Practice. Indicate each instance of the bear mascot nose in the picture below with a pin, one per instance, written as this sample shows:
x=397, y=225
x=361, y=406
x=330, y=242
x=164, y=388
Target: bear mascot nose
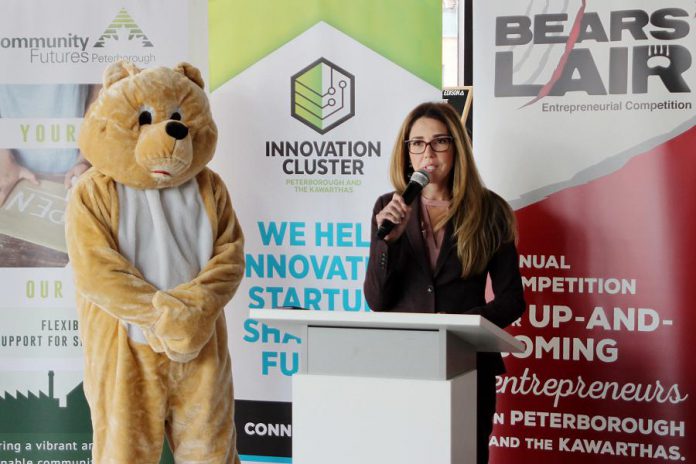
x=176, y=130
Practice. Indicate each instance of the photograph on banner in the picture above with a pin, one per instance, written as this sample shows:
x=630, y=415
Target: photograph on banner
x=40, y=161
x=589, y=107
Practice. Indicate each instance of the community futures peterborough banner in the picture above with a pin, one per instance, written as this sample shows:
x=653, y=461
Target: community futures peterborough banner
x=53, y=54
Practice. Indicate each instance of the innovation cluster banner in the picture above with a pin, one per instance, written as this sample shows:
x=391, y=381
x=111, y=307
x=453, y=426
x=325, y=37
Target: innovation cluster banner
x=309, y=97
x=584, y=122
x=53, y=54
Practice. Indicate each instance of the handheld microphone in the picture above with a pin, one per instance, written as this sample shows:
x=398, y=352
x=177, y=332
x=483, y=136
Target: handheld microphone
x=419, y=179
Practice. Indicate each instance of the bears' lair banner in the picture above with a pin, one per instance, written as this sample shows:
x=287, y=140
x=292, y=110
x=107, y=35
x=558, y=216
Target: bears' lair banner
x=584, y=121
x=308, y=98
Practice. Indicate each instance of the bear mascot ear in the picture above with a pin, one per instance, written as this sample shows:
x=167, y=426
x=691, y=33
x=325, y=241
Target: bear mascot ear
x=117, y=71
x=191, y=72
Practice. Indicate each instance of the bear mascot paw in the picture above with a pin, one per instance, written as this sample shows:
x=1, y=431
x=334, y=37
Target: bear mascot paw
x=157, y=253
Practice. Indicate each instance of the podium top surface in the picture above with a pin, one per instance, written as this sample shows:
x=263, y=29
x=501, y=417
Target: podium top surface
x=476, y=330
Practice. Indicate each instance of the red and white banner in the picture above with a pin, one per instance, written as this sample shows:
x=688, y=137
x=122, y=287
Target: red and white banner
x=584, y=122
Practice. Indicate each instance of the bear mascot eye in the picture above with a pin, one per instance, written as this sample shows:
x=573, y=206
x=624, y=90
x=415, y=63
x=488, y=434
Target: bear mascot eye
x=145, y=118
x=176, y=116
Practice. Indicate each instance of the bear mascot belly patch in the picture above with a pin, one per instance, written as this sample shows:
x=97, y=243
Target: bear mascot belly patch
x=157, y=253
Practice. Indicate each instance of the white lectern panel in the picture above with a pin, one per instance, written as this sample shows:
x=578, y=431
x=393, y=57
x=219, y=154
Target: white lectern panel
x=383, y=421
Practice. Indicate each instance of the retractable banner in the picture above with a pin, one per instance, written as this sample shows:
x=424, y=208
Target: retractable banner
x=309, y=97
x=53, y=54
x=585, y=124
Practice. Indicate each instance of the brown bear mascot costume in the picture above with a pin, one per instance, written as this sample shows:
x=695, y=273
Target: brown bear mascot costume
x=157, y=252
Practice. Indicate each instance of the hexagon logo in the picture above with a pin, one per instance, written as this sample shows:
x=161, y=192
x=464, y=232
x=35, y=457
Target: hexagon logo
x=323, y=95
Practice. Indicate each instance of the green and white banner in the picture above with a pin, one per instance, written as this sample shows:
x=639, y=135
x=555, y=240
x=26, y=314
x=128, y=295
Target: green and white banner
x=53, y=54
x=309, y=99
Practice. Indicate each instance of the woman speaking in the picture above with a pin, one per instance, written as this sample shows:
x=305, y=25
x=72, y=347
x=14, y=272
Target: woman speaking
x=444, y=244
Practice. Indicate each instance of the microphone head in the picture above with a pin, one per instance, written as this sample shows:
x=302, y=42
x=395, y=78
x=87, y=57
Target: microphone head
x=420, y=177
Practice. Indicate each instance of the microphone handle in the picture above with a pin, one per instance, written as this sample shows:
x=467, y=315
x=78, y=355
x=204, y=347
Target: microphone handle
x=384, y=229
x=410, y=194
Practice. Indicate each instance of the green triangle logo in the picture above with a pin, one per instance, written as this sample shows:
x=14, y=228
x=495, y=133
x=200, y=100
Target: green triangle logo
x=123, y=24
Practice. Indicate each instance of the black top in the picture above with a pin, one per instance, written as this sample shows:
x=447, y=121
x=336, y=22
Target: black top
x=399, y=279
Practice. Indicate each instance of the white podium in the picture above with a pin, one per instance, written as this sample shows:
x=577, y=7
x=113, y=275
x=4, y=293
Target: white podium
x=386, y=388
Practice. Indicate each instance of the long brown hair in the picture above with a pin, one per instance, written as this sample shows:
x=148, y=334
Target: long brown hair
x=482, y=220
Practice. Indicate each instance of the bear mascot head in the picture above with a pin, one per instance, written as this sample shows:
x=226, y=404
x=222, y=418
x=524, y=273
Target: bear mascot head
x=149, y=128
x=157, y=253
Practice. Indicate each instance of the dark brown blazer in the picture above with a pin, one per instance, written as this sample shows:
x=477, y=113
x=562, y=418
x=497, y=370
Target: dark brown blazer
x=399, y=279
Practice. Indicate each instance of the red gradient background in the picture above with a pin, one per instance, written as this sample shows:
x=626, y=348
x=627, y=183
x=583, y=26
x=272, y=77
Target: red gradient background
x=638, y=222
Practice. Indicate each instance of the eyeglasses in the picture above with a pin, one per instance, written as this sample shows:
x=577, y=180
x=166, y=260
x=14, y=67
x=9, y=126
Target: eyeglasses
x=438, y=144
